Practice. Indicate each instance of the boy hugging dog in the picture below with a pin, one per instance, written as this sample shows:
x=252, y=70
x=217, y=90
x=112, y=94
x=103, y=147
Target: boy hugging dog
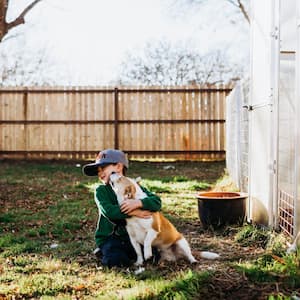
x=129, y=217
x=155, y=231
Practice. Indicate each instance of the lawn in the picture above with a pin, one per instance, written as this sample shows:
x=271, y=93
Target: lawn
x=47, y=222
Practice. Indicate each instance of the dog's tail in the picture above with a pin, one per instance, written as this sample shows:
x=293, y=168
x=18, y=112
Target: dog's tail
x=209, y=255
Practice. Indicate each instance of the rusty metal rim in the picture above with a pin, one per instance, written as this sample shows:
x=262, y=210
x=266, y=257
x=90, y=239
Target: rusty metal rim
x=221, y=195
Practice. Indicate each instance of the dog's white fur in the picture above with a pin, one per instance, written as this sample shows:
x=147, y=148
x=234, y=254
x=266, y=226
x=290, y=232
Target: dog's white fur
x=293, y=247
x=155, y=231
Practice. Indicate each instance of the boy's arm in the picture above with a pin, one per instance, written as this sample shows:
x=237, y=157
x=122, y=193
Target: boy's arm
x=107, y=204
x=152, y=202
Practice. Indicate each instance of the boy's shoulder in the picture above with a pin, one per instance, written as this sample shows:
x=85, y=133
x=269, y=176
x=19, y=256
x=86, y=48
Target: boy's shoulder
x=103, y=188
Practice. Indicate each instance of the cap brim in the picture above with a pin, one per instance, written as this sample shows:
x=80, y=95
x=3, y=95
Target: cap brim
x=92, y=169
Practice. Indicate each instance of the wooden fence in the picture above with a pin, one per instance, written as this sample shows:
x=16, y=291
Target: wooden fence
x=75, y=123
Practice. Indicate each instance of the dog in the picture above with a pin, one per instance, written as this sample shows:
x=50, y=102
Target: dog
x=293, y=247
x=155, y=231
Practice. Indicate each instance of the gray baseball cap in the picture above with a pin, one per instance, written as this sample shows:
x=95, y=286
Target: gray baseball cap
x=105, y=157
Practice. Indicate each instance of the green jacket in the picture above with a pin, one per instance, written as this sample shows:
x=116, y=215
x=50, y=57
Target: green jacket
x=111, y=219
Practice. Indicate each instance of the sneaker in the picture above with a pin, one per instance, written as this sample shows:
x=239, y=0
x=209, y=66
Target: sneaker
x=97, y=252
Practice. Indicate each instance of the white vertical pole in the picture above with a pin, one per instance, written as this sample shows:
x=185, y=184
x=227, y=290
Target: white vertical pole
x=274, y=99
x=238, y=130
x=249, y=205
x=297, y=130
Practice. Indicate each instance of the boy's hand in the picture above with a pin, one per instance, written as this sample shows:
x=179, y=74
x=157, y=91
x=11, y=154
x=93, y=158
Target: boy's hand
x=145, y=214
x=129, y=205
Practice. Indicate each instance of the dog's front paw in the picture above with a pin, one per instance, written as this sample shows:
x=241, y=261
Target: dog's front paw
x=193, y=260
x=147, y=254
x=139, y=261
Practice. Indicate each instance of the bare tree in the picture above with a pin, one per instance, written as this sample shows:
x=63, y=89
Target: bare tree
x=161, y=63
x=5, y=26
x=34, y=68
x=242, y=5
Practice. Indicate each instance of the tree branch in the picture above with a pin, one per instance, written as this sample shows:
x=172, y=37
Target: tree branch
x=6, y=26
x=21, y=18
x=240, y=5
x=243, y=10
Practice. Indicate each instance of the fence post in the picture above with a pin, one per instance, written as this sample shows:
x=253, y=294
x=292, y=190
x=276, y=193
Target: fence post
x=25, y=113
x=116, y=121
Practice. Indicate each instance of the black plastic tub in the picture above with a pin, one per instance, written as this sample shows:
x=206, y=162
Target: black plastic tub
x=217, y=209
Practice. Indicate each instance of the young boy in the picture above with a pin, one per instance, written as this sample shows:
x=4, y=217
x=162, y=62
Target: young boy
x=111, y=236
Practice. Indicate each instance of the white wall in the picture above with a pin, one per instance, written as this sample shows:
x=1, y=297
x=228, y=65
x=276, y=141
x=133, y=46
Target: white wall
x=260, y=142
x=288, y=25
x=272, y=156
x=297, y=133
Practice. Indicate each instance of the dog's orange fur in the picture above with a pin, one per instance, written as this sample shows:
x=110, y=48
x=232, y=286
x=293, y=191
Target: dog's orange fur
x=129, y=191
x=168, y=234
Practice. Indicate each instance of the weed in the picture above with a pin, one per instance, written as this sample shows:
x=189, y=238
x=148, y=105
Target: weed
x=280, y=297
x=225, y=183
x=252, y=235
x=268, y=268
x=7, y=218
x=274, y=264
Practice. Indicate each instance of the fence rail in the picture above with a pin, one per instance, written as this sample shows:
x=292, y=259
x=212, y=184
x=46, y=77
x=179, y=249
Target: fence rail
x=178, y=123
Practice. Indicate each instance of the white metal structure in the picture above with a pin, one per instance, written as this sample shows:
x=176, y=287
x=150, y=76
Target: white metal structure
x=273, y=107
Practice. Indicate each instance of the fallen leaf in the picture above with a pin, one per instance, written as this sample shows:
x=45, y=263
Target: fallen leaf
x=279, y=259
x=79, y=287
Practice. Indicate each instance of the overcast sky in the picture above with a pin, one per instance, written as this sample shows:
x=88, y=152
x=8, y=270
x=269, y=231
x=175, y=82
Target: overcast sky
x=90, y=37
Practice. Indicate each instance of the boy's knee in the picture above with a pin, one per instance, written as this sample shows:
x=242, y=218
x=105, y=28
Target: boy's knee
x=115, y=260
x=117, y=253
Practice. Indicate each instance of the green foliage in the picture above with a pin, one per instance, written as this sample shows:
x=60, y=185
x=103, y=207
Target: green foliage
x=13, y=244
x=269, y=268
x=277, y=244
x=184, y=286
x=171, y=185
x=7, y=218
x=251, y=235
x=280, y=297
x=9, y=239
x=274, y=264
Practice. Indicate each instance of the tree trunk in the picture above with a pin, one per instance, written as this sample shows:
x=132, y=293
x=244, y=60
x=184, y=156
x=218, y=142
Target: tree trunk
x=3, y=24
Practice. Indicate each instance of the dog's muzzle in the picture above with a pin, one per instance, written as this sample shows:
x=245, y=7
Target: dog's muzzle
x=114, y=177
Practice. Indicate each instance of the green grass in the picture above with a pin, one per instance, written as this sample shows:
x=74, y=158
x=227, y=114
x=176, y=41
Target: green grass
x=267, y=269
x=251, y=235
x=47, y=222
x=48, y=218
x=274, y=266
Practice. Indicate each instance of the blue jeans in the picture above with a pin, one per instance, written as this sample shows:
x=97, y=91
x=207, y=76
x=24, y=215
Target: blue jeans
x=117, y=253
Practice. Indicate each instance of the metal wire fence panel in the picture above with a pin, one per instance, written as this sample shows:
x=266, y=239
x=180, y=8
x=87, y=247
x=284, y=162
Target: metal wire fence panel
x=286, y=212
x=286, y=143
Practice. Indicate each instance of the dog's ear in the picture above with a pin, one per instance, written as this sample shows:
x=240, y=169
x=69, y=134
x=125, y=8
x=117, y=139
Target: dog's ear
x=130, y=191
